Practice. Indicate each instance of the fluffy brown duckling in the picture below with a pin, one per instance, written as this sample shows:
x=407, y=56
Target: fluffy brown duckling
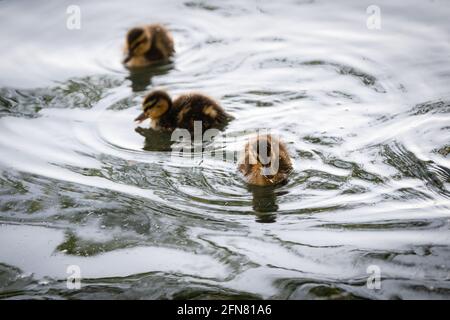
x=265, y=161
x=146, y=45
x=167, y=115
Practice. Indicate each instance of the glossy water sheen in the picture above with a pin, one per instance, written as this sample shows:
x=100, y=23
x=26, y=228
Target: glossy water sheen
x=365, y=114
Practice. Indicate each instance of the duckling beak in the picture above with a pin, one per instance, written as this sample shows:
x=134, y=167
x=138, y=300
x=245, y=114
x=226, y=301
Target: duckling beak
x=141, y=117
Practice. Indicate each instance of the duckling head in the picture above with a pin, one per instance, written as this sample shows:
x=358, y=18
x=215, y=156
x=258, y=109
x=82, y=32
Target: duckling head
x=265, y=161
x=155, y=104
x=266, y=151
x=262, y=155
x=137, y=43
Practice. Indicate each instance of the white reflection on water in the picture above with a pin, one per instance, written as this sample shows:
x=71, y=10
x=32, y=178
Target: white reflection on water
x=365, y=114
x=31, y=249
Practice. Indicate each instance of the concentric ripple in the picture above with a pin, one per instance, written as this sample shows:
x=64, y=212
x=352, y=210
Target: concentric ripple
x=364, y=113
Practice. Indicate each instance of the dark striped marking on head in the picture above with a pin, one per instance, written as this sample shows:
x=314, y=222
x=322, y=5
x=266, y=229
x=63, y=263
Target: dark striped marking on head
x=156, y=96
x=264, y=151
x=133, y=34
x=153, y=102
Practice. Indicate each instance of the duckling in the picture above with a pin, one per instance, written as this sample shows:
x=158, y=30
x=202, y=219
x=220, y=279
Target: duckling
x=265, y=161
x=167, y=115
x=146, y=45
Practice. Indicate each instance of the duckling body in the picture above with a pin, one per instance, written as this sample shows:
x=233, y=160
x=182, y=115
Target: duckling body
x=265, y=161
x=183, y=112
x=147, y=45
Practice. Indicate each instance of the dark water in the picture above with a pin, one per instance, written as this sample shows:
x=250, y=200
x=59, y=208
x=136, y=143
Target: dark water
x=365, y=115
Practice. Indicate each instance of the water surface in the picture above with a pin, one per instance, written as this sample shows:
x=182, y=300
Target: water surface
x=365, y=115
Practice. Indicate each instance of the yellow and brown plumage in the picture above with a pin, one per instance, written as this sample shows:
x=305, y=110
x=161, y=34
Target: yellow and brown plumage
x=265, y=161
x=146, y=45
x=168, y=115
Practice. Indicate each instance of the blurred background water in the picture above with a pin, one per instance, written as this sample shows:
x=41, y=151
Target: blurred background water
x=365, y=114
